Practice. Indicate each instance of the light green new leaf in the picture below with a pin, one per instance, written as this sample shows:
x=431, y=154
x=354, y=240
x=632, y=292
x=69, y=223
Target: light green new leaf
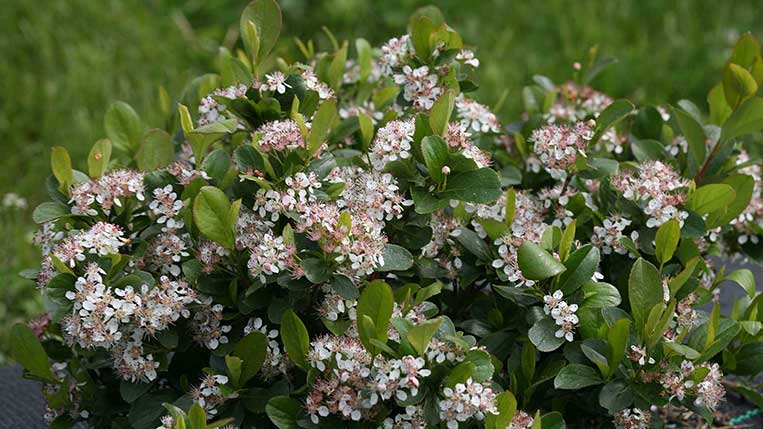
x=211, y=213
x=420, y=335
x=666, y=240
x=61, y=164
x=376, y=301
x=745, y=279
x=197, y=418
x=745, y=120
x=296, y=340
x=439, y=116
x=506, y=405
x=710, y=198
x=321, y=126
x=744, y=186
x=99, y=157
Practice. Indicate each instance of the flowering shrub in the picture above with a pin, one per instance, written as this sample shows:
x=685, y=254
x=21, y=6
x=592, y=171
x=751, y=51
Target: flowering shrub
x=357, y=243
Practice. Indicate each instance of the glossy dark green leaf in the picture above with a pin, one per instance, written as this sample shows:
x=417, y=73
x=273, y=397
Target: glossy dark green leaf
x=536, y=263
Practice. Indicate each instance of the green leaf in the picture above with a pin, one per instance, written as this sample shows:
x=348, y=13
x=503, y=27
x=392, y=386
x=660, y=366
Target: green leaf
x=644, y=150
x=420, y=335
x=710, y=198
x=745, y=279
x=482, y=186
x=666, y=240
x=343, y=286
x=536, y=263
x=295, y=339
x=552, y=420
x=617, y=343
x=201, y=138
x=376, y=301
x=435, y=152
x=396, y=258
x=266, y=16
x=543, y=335
x=600, y=294
x=719, y=109
x=749, y=359
x=495, y=229
x=156, y=151
x=252, y=349
x=511, y=206
x=506, y=404
x=439, y=116
x=211, y=213
x=365, y=57
x=745, y=120
x=644, y=290
x=50, y=211
x=123, y=127
x=321, y=126
x=421, y=30
x=483, y=365
x=683, y=350
x=615, y=396
x=216, y=165
x=27, y=351
x=743, y=186
x=473, y=243
x=98, y=158
x=610, y=116
x=197, y=418
x=738, y=84
x=694, y=134
x=284, y=412
x=576, y=376
x=579, y=268
x=130, y=392
x=61, y=164
x=565, y=243
x=366, y=129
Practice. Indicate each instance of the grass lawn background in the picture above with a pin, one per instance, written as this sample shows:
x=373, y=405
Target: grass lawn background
x=63, y=61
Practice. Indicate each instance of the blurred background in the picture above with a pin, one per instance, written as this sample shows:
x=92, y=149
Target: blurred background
x=62, y=62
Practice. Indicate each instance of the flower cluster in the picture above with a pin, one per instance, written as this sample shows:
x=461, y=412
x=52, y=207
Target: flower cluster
x=466, y=401
x=609, y=236
x=563, y=314
x=558, y=146
x=106, y=192
x=353, y=384
x=658, y=188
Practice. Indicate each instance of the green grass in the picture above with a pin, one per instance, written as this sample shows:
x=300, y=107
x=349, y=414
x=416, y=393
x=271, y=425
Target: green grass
x=64, y=61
